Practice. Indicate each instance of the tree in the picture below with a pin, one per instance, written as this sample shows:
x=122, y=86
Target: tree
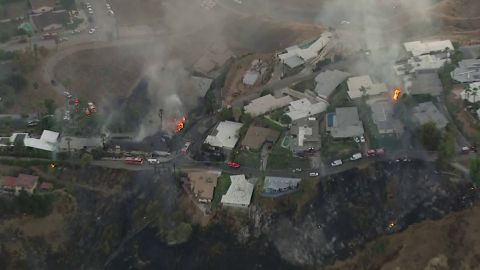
x=475, y=170
x=246, y=118
x=446, y=148
x=225, y=114
x=86, y=159
x=265, y=92
x=429, y=136
x=17, y=82
x=50, y=105
x=285, y=119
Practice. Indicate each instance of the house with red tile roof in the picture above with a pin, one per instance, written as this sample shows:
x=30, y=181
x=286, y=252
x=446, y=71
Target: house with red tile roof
x=24, y=182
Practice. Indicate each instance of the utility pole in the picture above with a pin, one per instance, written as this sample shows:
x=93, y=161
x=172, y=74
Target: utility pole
x=160, y=114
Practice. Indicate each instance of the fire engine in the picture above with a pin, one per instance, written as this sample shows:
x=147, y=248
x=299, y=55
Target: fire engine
x=134, y=160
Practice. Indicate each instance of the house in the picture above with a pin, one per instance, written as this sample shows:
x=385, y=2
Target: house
x=24, y=182
x=305, y=134
x=257, y=68
x=470, y=51
x=280, y=185
x=201, y=84
x=472, y=95
x=427, y=62
x=344, y=123
x=302, y=108
x=417, y=48
x=47, y=142
x=310, y=52
x=50, y=21
x=14, y=139
x=266, y=104
x=239, y=193
x=327, y=82
x=257, y=136
x=46, y=186
x=42, y=6
x=202, y=184
x=224, y=135
x=382, y=116
x=72, y=143
x=427, y=112
x=468, y=70
x=363, y=86
x=425, y=83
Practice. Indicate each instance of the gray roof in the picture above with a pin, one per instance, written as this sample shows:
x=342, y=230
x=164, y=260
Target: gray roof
x=250, y=77
x=201, y=84
x=328, y=80
x=426, y=83
x=346, y=123
x=302, y=141
x=280, y=183
x=6, y=69
x=382, y=116
x=43, y=20
x=78, y=143
x=468, y=70
x=427, y=112
x=470, y=52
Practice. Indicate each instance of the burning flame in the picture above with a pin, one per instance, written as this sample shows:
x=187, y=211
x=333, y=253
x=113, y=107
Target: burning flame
x=51, y=165
x=396, y=93
x=180, y=125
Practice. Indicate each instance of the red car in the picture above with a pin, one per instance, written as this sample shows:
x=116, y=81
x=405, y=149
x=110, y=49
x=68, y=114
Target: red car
x=375, y=152
x=134, y=160
x=233, y=164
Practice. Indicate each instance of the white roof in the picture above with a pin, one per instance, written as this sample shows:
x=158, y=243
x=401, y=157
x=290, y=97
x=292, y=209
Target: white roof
x=225, y=135
x=308, y=53
x=474, y=88
x=240, y=191
x=302, y=132
x=355, y=85
x=250, y=77
x=293, y=61
x=266, y=104
x=419, y=48
x=302, y=108
x=49, y=136
x=426, y=62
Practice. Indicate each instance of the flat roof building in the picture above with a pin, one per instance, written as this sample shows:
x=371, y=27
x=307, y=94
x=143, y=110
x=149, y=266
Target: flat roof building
x=298, y=55
x=417, y=48
x=305, y=134
x=257, y=136
x=344, y=123
x=224, y=135
x=302, y=108
x=327, y=82
x=363, y=85
x=73, y=143
x=266, y=104
x=468, y=70
x=382, y=116
x=280, y=185
x=239, y=194
x=427, y=112
x=47, y=142
x=425, y=83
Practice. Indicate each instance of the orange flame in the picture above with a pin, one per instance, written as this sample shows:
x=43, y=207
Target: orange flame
x=51, y=165
x=396, y=93
x=180, y=125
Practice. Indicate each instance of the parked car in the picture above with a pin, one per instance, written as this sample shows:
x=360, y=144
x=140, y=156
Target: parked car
x=375, y=152
x=356, y=156
x=356, y=139
x=362, y=139
x=153, y=161
x=91, y=31
x=233, y=164
x=185, y=147
x=134, y=160
x=337, y=162
x=313, y=174
x=297, y=170
x=469, y=149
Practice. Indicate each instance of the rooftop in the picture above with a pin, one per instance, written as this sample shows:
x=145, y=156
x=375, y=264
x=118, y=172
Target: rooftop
x=426, y=83
x=471, y=51
x=356, y=84
x=305, y=131
x=473, y=95
x=297, y=55
x=225, y=135
x=382, y=116
x=78, y=143
x=419, y=48
x=47, y=142
x=240, y=191
x=201, y=84
x=279, y=183
x=257, y=136
x=346, y=123
x=468, y=70
x=427, y=112
x=266, y=104
x=304, y=108
x=328, y=80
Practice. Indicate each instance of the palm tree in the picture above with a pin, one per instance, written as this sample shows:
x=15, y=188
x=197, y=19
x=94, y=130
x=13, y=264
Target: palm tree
x=474, y=95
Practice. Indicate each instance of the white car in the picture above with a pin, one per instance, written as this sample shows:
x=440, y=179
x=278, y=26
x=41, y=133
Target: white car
x=91, y=31
x=337, y=162
x=111, y=12
x=108, y=5
x=356, y=139
x=362, y=139
x=153, y=161
x=344, y=22
x=356, y=156
x=313, y=174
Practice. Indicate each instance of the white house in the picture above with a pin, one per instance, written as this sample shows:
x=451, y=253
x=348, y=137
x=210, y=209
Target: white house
x=363, y=85
x=265, y=104
x=417, y=48
x=47, y=142
x=239, y=193
x=302, y=108
x=225, y=135
x=473, y=93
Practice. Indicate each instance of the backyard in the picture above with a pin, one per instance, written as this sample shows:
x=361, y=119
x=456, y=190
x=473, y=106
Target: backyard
x=281, y=158
x=338, y=149
x=248, y=159
x=223, y=183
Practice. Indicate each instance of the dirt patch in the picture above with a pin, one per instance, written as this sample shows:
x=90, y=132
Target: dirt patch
x=469, y=125
x=101, y=74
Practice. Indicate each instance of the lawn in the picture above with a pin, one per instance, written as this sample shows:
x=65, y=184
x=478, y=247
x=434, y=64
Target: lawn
x=223, y=183
x=248, y=159
x=267, y=121
x=281, y=158
x=337, y=149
